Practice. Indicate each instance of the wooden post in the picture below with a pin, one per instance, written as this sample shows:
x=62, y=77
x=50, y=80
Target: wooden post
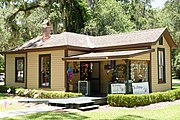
x=127, y=76
x=65, y=68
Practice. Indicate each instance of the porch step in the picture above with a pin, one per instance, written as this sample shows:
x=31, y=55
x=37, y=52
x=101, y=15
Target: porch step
x=100, y=101
x=89, y=107
x=71, y=103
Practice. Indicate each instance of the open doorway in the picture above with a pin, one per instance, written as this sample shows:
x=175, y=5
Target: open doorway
x=90, y=71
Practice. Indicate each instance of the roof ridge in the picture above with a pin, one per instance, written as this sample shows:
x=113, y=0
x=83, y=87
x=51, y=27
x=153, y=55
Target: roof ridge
x=138, y=31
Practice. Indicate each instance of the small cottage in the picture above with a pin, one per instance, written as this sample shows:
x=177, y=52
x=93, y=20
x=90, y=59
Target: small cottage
x=132, y=62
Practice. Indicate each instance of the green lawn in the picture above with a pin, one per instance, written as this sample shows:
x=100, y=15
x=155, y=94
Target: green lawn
x=10, y=106
x=3, y=96
x=167, y=113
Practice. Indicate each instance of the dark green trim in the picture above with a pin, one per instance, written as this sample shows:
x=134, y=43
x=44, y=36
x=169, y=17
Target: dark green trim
x=5, y=71
x=26, y=72
x=149, y=75
x=171, y=66
x=129, y=69
x=164, y=70
x=100, y=75
x=65, y=73
x=16, y=78
x=43, y=55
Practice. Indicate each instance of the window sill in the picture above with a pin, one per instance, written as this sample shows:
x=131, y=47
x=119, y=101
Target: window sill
x=161, y=82
x=19, y=81
x=45, y=87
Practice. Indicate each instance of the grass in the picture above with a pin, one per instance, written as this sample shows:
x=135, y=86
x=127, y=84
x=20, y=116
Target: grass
x=10, y=106
x=171, y=112
x=4, y=96
x=167, y=113
x=177, y=86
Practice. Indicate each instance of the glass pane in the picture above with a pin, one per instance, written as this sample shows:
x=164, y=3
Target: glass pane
x=160, y=73
x=139, y=71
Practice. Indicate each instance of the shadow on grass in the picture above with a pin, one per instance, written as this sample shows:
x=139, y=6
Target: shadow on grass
x=3, y=96
x=50, y=116
x=132, y=117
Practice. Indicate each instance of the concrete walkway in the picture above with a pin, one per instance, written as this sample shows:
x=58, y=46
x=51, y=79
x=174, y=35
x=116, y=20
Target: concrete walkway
x=28, y=111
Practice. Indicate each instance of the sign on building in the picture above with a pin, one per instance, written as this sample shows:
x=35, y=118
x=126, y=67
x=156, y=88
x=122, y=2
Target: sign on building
x=140, y=88
x=118, y=88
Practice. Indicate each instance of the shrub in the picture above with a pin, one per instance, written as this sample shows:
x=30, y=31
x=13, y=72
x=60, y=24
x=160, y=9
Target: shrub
x=32, y=93
x=176, y=65
x=44, y=94
x=131, y=100
x=3, y=89
x=56, y=94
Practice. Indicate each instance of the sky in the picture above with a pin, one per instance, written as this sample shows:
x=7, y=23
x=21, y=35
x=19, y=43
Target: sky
x=158, y=3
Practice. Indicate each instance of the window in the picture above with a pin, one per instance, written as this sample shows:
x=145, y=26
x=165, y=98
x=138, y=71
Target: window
x=44, y=70
x=139, y=70
x=19, y=69
x=161, y=40
x=161, y=65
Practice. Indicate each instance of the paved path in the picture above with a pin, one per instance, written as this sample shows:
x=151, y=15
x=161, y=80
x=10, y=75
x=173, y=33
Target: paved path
x=27, y=111
x=176, y=81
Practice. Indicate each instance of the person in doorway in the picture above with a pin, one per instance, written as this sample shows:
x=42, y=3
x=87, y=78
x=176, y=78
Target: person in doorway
x=140, y=78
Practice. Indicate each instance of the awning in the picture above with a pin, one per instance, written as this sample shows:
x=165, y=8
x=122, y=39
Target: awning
x=109, y=55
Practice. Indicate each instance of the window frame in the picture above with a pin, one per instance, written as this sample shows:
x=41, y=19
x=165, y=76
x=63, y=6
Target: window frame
x=16, y=70
x=161, y=81
x=40, y=82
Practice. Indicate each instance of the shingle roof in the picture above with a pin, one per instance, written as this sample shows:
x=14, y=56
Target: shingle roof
x=109, y=55
x=129, y=38
x=85, y=41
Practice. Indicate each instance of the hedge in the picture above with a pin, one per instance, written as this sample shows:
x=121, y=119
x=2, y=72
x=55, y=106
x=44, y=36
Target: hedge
x=33, y=93
x=132, y=100
x=3, y=89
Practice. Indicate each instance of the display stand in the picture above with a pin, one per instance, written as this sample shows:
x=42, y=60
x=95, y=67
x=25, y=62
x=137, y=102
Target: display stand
x=84, y=87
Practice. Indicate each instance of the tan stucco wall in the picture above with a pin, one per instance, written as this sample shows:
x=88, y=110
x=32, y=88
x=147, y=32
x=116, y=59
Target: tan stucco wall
x=57, y=70
x=71, y=52
x=154, y=68
x=10, y=70
x=141, y=57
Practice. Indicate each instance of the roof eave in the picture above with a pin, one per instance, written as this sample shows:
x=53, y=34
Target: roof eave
x=68, y=47
x=125, y=46
x=109, y=57
x=169, y=39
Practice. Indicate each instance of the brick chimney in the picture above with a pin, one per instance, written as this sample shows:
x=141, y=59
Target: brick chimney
x=46, y=30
